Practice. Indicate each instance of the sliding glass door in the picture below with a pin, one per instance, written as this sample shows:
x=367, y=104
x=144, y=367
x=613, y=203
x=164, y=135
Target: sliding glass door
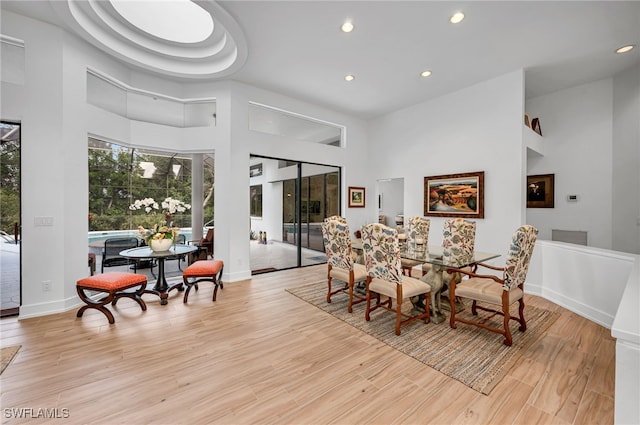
x=295, y=198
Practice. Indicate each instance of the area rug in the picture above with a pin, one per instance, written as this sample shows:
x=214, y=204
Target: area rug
x=471, y=355
x=8, y=353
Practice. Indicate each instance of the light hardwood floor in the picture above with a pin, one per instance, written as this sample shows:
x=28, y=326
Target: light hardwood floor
x=259, y=355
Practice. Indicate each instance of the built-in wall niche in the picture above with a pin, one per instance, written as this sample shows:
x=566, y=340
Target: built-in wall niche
x=270, y=120
x=140, y=105
x=12, y=64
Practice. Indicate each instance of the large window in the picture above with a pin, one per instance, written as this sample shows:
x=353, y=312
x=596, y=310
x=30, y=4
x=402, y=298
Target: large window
x=119, y=175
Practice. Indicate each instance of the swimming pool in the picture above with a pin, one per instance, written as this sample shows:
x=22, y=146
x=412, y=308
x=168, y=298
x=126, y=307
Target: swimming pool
x=103, y=235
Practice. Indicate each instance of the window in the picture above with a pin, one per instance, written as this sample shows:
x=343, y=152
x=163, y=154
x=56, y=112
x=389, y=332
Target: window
x=118, y=175
x=255, y=200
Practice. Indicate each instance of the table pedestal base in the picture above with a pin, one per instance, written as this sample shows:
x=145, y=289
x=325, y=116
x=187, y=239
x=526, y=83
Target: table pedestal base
x=435, y=278
x=162, y=288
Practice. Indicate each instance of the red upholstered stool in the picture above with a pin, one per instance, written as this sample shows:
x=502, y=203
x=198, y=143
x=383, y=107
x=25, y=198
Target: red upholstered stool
x=203, y=271
x=114, y=285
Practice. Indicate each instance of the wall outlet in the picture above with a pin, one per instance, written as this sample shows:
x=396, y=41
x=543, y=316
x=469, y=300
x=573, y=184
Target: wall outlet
x=46, y=285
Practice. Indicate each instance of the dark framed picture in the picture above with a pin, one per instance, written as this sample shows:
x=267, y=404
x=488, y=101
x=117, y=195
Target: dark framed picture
x=540, y=191
x=356, y=197
x=535, y=126
x=454, y=195
x=255, y=170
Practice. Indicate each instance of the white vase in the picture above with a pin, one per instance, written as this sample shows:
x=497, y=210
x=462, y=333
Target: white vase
x=161, y=244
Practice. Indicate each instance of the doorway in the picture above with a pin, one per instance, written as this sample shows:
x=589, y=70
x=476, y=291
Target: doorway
x=10, y=202
x=289, y=201
x=391, y=201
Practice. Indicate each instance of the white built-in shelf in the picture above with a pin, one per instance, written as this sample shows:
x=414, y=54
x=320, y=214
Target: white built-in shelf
x=533, y=141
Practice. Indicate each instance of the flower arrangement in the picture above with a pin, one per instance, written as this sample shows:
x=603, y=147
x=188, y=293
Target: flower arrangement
x=164, y=229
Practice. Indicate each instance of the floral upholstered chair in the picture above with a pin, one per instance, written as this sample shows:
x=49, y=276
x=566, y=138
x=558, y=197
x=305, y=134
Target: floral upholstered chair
x=417, y=229
x=340, y=259
x=385, y=278
x=500, y=292
x=458, y=240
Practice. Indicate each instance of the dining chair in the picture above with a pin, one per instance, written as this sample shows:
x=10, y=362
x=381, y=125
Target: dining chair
x=341, y=263
x=499, y=292
x=417, y=230
x=458, y=240
x=385, y=278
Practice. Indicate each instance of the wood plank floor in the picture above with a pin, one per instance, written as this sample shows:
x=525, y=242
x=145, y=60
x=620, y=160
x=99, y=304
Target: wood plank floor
x=259, y=355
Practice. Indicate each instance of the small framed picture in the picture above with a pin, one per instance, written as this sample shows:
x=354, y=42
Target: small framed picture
x=540, y=191
x=527, y=120
x=356, y=197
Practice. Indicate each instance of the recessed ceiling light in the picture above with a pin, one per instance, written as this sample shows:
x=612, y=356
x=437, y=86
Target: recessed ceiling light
x=625, y=49
x=349, y=77
x=425, y=73
x=347, y=26
x=456, y=18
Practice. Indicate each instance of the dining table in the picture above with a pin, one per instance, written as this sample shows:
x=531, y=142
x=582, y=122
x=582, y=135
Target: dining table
x=161, y=287
x=435, y=277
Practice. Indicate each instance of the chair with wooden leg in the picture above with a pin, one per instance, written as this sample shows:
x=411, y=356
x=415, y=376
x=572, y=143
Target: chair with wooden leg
x=203, y=271
x=385, y=278
x=500, y=292
x=417, y=235
x=341, y=263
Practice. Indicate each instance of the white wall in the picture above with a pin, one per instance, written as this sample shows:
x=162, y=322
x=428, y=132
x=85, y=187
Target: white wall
x=577, y=125
x=56, y=120
x=626, y=161
x=478, y=128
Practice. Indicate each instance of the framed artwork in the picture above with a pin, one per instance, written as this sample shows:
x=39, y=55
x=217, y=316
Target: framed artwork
x=540, y=191
x=454, y=195
x=535, y=126
x=255, y=170
x=356, y=197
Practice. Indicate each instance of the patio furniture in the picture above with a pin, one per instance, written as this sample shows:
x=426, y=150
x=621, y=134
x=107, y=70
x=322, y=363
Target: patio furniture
x=111, y=252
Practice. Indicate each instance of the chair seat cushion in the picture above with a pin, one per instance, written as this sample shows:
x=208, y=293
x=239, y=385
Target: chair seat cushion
x=112, y=281
x=410, y=287
x=486, y=290
x=203, y=268
x=359, y=273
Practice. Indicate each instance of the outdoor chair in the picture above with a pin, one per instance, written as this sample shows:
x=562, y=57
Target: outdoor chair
x=499, y=292
x=385, y=278
x=207, y=242
x=111, y=252
x=341, y=263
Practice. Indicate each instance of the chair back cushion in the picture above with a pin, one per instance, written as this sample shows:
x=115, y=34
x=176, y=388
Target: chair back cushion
x=382, y=252
x=418, y=227
x=337, y=242
x=520, y=250
x=458, y=239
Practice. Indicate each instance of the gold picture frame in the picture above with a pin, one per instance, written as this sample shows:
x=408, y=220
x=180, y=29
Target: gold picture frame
x=356, y=197
x=454, y=195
